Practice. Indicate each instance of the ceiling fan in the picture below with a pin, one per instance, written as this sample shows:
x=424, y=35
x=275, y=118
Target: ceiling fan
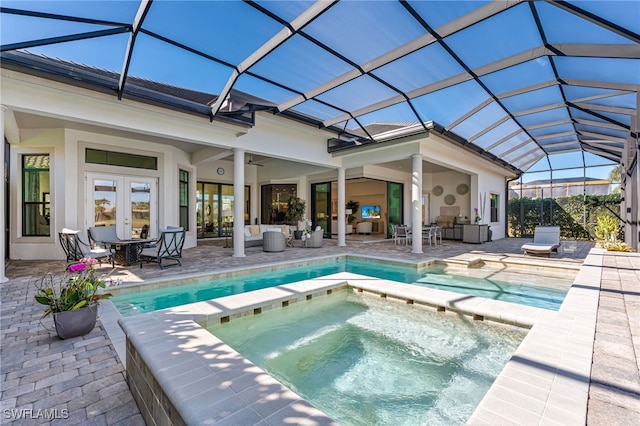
x=251, y=163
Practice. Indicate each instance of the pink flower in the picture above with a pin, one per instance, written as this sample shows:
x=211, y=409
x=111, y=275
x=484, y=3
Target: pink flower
x=76, y=267
x=88, y=261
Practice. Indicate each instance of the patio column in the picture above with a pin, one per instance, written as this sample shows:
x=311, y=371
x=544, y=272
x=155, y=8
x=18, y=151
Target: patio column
x=416, y=203
x=342, y=218
x=3, y=277
x=238, y=202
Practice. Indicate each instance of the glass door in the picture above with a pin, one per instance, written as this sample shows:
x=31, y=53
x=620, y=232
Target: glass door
x=394, y=204
x=321, y=206
x=214, y=209
x=138, y=199
x=129, y=203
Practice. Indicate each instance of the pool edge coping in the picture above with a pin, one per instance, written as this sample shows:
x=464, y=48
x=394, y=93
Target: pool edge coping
x=150, y=333
x=547, y=379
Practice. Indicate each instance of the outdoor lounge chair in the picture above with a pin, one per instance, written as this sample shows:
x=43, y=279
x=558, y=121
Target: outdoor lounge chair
x=273, y=241
x=545, y=240
x=168, y=248
x=364, y=228
x=76, y=247
x=316, y=238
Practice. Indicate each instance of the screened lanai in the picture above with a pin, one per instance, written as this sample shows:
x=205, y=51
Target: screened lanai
x=548, y=88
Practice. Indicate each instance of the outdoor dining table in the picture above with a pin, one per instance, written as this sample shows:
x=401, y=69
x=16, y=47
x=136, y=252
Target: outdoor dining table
x=127, y=252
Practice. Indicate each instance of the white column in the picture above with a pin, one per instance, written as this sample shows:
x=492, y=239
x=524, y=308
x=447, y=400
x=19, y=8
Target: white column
x=416, y=203
x=4, y=208
x=342, y=217
x=238, y=202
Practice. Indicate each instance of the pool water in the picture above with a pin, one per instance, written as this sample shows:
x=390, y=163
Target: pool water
x=528, y=289
x=364, y=361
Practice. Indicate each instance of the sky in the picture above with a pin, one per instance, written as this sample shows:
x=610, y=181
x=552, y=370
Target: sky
x=359, y=32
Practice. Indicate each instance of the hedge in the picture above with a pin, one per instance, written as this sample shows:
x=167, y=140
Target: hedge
x=576, y=215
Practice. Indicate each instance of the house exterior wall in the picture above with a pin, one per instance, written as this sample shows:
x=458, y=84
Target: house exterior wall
x=68, y=186
x=485, y=177
x=79, y=118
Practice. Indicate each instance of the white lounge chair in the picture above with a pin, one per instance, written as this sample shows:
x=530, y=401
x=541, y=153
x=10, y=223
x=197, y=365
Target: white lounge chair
x=545, y=240
x=364, y=227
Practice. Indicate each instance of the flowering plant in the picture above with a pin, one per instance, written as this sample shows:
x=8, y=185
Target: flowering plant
x=477, y=218
x=77, y=288
x=306, y=233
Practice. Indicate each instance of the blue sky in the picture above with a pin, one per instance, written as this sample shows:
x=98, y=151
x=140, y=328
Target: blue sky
x=359, y=32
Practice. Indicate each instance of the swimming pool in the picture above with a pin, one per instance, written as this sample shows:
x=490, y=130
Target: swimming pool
x=537, y=291
x=364, y=361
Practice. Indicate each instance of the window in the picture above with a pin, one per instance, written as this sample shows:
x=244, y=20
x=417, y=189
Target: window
x=494, y=200
x=184, y=198
x=36, y=195
x=274, y=202
x=109, y=158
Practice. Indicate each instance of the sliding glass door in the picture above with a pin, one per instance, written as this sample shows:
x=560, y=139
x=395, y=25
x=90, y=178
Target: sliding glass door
x=394, y=204
x=321, y=206
x=214, y=209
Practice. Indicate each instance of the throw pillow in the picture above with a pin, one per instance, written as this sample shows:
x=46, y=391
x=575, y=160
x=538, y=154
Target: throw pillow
x=247, y=232
x=255, y=230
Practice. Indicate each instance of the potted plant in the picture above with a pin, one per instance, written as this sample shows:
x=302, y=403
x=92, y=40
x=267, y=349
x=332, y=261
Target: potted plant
x=72, y=299
x=295, y=212
x=477, y=218
x=354, y=206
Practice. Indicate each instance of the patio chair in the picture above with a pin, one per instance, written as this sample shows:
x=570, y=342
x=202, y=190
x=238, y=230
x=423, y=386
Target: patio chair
x=402, y=234
x=429, y=233
x=316, y=238
x=76, y=247
x=99, y=235
x=545, y=240
x=168, y=248
x=437, y=234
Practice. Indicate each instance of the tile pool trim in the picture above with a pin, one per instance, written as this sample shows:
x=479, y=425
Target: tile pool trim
x=165, y=347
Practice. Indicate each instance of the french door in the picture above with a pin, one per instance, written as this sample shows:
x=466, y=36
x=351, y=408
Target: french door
x=129, y=203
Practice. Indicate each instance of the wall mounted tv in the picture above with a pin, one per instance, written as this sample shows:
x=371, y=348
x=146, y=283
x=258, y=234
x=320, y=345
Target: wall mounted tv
x=371, y=212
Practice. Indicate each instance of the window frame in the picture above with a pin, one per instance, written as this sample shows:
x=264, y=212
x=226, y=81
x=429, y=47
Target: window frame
x=117, y=158
x=494, y=207
x=183, y=204
x=44, y=200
